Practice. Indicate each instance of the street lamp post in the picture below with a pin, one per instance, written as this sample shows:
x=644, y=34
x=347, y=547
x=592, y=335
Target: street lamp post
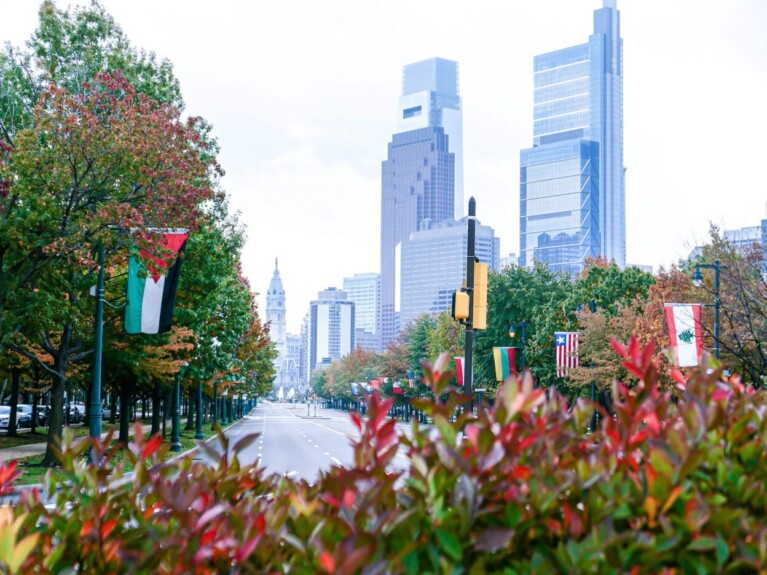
x=175, y=438
x=521, y=327
x=697, y=280
x=214, y=415
x=198, y=434
x=94, y=430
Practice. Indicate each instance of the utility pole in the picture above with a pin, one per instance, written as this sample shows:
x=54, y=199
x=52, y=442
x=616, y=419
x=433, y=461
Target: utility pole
x=468, y=378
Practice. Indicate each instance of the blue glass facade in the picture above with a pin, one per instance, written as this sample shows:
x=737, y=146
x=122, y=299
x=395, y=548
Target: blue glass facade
x=559, y=191
x=578, y=115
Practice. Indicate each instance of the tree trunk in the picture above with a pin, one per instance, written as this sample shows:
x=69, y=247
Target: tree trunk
x=112, y=407
x=125, y=413
x=55, y=420
x=15, y=384
x=35, y=414
x=190, y=411
x=155, y=409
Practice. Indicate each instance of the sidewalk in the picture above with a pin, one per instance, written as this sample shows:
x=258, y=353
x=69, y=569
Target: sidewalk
x=33, y=449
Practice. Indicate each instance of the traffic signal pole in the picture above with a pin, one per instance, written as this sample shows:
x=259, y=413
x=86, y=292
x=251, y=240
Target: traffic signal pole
x=468, y=378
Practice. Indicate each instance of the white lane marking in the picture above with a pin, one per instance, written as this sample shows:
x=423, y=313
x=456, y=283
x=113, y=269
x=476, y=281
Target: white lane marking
x=326, y=453
x=336, y=461
x=290, y=473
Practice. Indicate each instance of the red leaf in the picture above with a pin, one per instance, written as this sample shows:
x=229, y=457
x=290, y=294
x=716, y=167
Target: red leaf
x=327, y=562
x=247, y=548
x=151, y=446
x=618, y=347
x=356, y=420
x=107, y=528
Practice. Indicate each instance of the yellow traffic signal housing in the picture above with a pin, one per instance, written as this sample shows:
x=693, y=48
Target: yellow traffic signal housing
x=479, y=317
x=460, y=305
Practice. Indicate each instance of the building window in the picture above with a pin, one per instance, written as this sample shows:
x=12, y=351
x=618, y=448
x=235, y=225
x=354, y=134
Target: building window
x=411, y=112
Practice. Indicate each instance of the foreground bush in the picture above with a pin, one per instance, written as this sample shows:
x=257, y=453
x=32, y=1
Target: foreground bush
x=665, y=486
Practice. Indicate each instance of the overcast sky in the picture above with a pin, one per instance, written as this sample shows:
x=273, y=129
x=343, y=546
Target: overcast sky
x=303, y=97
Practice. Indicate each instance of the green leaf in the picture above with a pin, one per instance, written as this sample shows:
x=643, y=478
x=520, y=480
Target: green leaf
x=449, y=544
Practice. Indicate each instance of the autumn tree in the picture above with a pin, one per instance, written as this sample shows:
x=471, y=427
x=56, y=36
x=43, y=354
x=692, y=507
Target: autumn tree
x=743, y=310
x=92, y=167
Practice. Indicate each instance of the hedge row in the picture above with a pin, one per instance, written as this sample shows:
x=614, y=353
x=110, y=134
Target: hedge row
x=666, y=485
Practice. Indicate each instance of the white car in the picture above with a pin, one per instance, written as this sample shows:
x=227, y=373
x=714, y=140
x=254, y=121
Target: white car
x=23, y=415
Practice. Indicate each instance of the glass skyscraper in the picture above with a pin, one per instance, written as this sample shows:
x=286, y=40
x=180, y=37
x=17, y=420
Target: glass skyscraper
x=422, y=171
x=434, y=265
x=572, y=181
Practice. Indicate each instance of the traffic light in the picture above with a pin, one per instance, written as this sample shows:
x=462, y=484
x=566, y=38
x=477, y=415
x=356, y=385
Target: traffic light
x=460, y=305
x=479, y=317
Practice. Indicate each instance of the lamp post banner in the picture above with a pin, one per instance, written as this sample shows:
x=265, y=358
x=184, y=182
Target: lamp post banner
x=566, y=351
x=684, y=332
x=151, y=299
x=460, y=370
x=504, y=360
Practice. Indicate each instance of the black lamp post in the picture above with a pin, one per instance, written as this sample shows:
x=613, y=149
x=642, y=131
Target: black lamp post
x=697, y=280
x=198, y=433
x=175, y=437
x=521, y=328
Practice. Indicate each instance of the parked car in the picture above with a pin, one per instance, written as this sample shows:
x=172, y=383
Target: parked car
x=42, y=414
x=76, y=412
x=106, y=412
x=23, y=415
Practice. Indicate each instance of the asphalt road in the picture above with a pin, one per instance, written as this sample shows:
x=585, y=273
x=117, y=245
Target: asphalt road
x=293, y=441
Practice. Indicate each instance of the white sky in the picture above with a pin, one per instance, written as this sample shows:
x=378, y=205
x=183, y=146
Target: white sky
x=303, y=94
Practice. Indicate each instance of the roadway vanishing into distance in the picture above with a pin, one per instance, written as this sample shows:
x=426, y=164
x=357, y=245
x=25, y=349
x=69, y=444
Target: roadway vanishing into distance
x=293, y=441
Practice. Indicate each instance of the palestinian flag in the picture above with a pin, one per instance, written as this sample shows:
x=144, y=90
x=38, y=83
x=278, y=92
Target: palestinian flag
x=151, y=298
x=685, y=333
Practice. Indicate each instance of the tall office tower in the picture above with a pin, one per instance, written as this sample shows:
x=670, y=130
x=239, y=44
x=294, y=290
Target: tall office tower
x=365, y=291
x=331, y=328
x=572, y=181
x=421, y=172
x=434, y=265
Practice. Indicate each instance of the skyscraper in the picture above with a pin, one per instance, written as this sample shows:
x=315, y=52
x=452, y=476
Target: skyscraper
x=572, y=181
x=365, y=291
x=422, y=170
x=434, y=265
x=331, y=328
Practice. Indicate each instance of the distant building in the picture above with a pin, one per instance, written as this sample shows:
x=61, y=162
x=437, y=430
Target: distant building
x=742, y=239
x=433, y=265
x=365, y=291
x=288, y=348
x=331, y=328
x=510, y=260
x=572, y=181
x=422, y=177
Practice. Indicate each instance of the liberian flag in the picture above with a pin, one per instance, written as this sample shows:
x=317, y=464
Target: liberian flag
x=505, y=365
x=566, y=345
x=151, y=298
x=460, y=370
x=685, y=333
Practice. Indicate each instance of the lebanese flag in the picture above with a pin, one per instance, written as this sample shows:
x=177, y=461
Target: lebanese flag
x=151, y=298
x=685, y=333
